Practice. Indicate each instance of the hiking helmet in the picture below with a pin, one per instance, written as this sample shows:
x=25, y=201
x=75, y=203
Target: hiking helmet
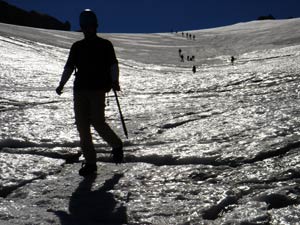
x=88, y=18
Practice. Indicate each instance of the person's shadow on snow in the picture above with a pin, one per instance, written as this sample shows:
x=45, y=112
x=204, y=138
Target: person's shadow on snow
x=89, y=207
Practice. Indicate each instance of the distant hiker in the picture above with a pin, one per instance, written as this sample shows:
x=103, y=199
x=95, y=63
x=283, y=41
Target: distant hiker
x=194, y=37
x=97, y=71
x=194, y=69
x=182, y=34
x=179, y=51
x=232, y=60
x=182, y=57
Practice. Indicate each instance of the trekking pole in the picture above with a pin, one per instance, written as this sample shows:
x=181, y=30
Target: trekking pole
x=121, y=115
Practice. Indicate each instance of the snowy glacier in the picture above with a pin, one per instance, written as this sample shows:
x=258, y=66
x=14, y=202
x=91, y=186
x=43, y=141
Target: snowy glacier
x=219, y=146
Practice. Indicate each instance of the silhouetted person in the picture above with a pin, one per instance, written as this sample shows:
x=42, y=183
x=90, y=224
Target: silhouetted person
x=194, y=69
x=232, y=60
x=97, y=71
x=194, y=37
x=182, y=57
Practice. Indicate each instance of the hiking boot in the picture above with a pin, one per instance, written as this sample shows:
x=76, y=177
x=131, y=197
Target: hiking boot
x=117, y=154
x=87, y=169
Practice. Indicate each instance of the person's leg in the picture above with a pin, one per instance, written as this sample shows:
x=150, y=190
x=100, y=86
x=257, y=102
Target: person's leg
x=97, y=100
x=83, y=121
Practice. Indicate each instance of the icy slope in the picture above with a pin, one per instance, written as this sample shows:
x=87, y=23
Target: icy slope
x=163, y=48
x=216, y=147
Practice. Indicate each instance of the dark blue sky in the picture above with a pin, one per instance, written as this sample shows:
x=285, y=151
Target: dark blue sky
x=134, y=16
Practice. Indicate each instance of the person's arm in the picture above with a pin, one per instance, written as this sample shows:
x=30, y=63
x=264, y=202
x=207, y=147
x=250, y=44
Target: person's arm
x=68, y=70
x=114, y=73
x=64, y=79
x=114, y=67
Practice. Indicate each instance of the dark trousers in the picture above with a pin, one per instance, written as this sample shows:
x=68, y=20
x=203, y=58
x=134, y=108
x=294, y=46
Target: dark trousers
x=89, y=107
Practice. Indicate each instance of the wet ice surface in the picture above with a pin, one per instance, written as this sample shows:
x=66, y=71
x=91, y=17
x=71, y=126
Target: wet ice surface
x=216, y=147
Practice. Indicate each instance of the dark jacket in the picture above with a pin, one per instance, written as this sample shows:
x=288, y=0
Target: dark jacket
x=92, y=60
